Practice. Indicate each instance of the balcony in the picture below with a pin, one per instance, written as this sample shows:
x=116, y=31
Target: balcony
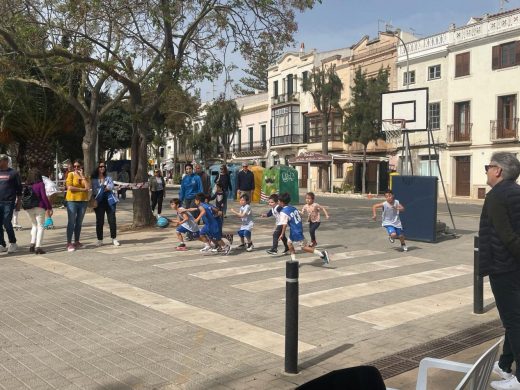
x=285, y=98
x=250, y=146
x=318, y=138
x=287, y=139
x=459, y=135
x=504, y=130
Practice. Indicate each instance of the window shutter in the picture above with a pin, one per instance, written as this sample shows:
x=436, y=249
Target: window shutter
x=495, y=55
x=500, y=108
x=456, y=118
x=465, y=64
x=517, y=53
x=458, y=65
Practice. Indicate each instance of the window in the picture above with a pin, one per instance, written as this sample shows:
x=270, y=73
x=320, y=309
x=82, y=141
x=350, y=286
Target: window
x=507, y=123
x=289, y=84
x=505, y=55
x=286, y=125
x=434, y=115
x=434, y=72
x=428, y=166
x=275, y=88
x=462, y=64
x=263, y=135
x=239, y=140
x=250, y=131
x=409, y=76
x=339, y=170
x=462, y=125
x=305, y=76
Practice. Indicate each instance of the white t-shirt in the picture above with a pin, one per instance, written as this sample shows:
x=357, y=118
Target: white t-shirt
x=247, y=217
x=391, y=214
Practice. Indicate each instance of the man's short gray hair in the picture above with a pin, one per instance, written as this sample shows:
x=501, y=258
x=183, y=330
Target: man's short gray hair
x=509, y=164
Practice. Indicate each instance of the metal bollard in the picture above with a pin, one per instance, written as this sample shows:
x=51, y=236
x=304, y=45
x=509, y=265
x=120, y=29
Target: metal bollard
x=478, y=281
x=291, y=317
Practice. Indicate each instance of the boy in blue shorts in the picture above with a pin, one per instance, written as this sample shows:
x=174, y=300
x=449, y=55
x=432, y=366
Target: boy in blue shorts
x=211, y=231
x=185, y=223
x=391, y=221
x=290, y=216
x=274, y=211
x=246, y=215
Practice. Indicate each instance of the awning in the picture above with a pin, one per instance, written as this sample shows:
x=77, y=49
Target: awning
x=310, y=157
x=354, y=158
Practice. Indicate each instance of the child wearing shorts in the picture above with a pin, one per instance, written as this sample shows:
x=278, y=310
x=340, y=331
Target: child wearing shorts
x=290, y=216
x=391, y=221
x=275, y=212
x=185, y=223
x=246, y=215
x=312, y=209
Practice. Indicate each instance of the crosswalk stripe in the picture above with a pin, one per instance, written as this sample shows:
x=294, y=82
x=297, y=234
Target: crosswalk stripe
x=392, y=315
x=247, y=269
x=344, y=293
x=255, y=336
x=309, y=277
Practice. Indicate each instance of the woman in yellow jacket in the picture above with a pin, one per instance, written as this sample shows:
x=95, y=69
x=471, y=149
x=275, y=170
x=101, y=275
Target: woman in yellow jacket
x=77, y=199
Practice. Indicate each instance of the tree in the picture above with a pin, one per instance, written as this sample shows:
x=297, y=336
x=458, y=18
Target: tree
x=222, y=119
x=115, y=131
x=147, y=47
x=325, y=87
x=259, y=62
x=363, y=112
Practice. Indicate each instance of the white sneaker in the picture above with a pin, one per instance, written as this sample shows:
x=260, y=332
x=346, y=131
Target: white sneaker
x=99, y=242
x=158, y=216
x=13, y=247
x=3, y=248
x=404, y=248
x=115, y=242
x=501, y=373
x=206, y=248
x=506, y=384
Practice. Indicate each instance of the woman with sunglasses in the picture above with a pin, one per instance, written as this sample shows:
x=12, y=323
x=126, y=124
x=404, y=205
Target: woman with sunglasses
x=102, y=190
x=77, y=197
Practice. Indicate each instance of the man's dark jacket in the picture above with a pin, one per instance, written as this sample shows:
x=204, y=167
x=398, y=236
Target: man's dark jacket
x=245, y=180
x=499, y=232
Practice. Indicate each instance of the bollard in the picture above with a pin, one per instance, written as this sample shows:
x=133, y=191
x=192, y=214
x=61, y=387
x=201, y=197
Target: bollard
x=478, y=281
x=291, y=317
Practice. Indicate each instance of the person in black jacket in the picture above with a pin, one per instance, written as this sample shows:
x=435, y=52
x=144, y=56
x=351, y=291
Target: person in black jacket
x=245, y=181
x=499, y=257
x=224, y=181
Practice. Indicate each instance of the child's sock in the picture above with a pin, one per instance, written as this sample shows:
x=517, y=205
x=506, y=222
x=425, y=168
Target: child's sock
x=317, y=252
x=293, y=256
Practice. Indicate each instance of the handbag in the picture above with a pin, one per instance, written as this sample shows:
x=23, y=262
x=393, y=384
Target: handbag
x=92, y=203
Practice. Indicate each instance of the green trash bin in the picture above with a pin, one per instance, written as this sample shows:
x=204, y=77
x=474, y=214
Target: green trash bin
x=279, y=179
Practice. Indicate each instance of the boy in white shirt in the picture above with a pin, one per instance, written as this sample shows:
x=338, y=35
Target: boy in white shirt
x=246, y=215
x=391, y=221
x=275, y=212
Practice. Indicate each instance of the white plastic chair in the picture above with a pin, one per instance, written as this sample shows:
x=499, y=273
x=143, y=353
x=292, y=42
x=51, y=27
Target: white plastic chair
x=477, y=374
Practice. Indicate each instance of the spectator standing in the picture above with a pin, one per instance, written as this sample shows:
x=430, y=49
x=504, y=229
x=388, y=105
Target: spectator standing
x=123, y=177
x=191, y=185
x=224, y=181
x=37, y=214
x=158, y=191
x=499, y=257
x=102, y=187
x=10, y=196
x=204, y=179
x=245, y=181
x=78, y=187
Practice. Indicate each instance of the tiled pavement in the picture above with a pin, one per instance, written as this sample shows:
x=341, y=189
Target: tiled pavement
x=142, y=316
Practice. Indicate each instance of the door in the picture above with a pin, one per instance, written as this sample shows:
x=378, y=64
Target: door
x=304, y=177
x=462, y=175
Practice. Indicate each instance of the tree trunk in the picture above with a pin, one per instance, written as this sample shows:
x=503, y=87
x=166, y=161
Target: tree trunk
x=325, y=149
x=88, y=145
x=364, y=173
x=175, y=155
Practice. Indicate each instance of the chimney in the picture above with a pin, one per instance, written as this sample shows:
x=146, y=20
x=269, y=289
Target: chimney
x=302, y=48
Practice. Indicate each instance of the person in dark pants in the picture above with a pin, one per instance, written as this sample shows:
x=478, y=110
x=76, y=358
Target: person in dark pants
x=102, y=186
x=204, y=179
x=499, y=257
x=10, y=197
x=157, y=191
x=224, y=181
x=245, y=181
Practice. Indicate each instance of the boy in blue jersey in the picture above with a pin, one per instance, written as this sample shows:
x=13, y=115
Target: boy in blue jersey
x=290, y=216
x=211, y=229
x=184, y=222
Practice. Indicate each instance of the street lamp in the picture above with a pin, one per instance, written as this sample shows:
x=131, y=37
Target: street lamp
x=397, y=34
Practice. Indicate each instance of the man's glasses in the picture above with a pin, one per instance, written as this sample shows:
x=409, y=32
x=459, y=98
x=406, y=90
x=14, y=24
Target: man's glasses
x=77, y=166
x=486, y=167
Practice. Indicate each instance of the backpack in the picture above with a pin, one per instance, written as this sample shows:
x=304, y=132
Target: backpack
x=29, y=198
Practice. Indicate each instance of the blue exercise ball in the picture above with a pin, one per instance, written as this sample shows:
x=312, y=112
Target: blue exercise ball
x=162, y=222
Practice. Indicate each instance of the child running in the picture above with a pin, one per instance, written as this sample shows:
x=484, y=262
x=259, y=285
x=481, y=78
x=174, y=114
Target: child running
x=211, y=230
x=391, y=221
x=246, y=215
x=275, y=212
x=290, y=216
x=313, y=210
x=219, y=199
x=185, y=223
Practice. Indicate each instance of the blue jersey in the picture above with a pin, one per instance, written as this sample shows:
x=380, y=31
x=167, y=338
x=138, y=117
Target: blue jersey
x=209, y=219
x=292, y=217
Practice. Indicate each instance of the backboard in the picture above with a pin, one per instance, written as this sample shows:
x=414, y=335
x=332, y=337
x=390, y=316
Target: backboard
x=408, y=104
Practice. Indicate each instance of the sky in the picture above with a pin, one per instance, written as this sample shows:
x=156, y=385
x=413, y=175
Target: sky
x=336, y=24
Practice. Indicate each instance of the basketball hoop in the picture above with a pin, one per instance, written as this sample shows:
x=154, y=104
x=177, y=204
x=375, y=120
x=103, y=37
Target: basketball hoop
x=393, y=129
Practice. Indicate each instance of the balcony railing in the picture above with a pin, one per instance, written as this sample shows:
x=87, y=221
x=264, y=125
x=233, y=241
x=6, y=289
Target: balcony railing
x=249, y=146
x=314, y=138
x=287, y=139
x=285, y=98
x=504, y=130
x=460, y=134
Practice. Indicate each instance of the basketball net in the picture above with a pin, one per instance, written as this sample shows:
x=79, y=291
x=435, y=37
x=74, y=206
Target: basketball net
x=393, y=129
